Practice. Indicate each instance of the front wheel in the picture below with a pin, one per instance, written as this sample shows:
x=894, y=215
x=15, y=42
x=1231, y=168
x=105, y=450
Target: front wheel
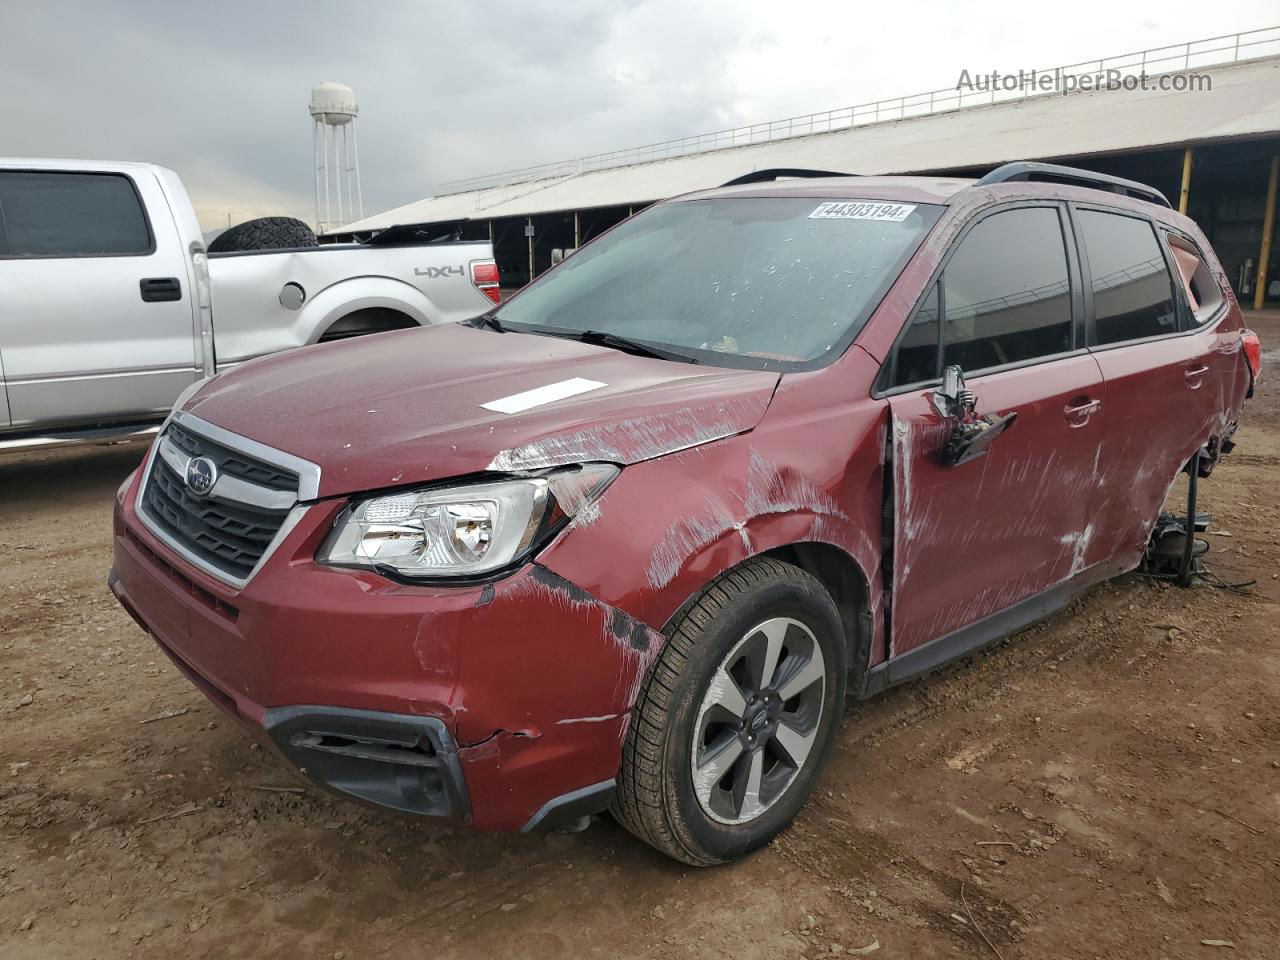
x=736, y=718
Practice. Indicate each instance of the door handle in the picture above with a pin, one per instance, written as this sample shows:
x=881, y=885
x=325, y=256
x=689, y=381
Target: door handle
x=1194, y=376
x=159, y=289
x=1079, y=410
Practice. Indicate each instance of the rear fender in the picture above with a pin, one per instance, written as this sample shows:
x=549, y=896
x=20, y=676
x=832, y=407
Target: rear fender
x=361, y=293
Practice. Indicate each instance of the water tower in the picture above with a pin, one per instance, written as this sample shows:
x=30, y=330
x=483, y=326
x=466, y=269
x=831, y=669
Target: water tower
x=333, y=115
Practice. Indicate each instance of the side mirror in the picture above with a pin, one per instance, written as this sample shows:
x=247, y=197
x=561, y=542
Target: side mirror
x=953, y=400
x=970, y=436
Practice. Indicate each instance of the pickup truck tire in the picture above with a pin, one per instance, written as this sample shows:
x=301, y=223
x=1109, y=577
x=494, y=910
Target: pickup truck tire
x=671, y=730
x=264, y=233
x=360, y=323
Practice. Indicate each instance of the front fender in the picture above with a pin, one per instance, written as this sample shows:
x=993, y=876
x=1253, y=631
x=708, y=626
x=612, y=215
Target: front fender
x=361, y=293
x=670, y=526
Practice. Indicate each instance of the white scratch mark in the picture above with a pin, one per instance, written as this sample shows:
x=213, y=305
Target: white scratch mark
x=634, y=439
x=607, y=716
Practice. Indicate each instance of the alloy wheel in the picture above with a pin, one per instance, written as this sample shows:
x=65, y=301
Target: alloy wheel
x=758, y=721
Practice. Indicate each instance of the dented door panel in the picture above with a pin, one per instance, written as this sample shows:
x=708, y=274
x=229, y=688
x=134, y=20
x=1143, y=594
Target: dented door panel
x=971, y=540
x=1160, y=409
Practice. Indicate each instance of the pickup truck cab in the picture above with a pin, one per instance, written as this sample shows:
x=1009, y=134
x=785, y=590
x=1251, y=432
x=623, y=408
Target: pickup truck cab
x=627, y=540
x=110, y=306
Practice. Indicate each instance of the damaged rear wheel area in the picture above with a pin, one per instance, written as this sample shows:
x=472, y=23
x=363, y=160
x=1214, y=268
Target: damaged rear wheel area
x=737, y=716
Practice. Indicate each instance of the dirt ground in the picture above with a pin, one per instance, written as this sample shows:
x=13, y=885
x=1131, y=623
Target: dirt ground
x=1106, y=785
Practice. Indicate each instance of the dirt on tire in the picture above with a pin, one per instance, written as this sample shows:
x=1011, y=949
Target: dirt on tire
x=1106, y=784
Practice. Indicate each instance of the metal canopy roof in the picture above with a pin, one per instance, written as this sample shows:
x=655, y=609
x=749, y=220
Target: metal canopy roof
x=1244, y=102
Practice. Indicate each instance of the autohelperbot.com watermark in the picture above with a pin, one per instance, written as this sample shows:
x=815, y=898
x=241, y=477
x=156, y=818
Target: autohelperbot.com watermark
x=1060, y=81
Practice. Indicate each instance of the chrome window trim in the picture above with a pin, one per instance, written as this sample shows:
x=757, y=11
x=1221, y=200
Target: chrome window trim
x=308, y=489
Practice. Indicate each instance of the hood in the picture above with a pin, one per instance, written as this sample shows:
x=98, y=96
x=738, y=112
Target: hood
x=409, y=407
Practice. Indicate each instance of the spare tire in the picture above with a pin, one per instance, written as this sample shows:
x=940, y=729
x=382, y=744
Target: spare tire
x=265, y=233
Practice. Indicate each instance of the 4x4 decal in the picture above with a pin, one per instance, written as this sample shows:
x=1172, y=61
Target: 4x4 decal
x=435, y=273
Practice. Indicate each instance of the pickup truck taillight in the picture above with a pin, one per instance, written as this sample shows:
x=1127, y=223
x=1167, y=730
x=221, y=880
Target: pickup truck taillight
x=484, y=274
x=1253, y=353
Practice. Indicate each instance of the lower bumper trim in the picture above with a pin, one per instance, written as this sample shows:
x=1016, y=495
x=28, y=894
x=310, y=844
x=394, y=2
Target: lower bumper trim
x=572, y=805
x=403, y=762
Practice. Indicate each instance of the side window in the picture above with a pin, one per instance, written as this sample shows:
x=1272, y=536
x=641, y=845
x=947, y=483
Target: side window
x=1006, y=291
x=1204, y=295
x=916, y=358
x=1132, y=289
x=45, y=214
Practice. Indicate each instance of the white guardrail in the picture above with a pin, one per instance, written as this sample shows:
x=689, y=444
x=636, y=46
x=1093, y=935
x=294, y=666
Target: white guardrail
x=1213, y=51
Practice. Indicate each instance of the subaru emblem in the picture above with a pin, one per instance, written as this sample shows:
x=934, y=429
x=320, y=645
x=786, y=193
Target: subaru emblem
x=201, y=476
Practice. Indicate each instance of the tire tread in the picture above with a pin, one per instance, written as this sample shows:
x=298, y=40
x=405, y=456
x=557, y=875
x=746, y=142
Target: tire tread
x=641, y=802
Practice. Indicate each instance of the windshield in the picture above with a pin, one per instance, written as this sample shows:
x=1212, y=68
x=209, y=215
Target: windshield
x=747, y=282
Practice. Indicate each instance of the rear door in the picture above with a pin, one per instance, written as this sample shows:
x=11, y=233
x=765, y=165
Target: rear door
x=95, y=315
x=1163, y=399
x=975, y=539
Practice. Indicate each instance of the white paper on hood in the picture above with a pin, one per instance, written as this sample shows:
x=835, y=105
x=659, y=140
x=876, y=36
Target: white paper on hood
x=539, y=396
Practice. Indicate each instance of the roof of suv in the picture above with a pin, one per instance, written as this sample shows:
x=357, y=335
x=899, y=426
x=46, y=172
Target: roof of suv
x=1052, y=179
x=907, y=189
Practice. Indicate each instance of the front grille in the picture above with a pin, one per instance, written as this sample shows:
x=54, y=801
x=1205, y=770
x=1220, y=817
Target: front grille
x=227, y=535
x=232, y=462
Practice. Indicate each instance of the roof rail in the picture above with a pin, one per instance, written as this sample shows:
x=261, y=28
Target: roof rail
x=1025, y=170
x=768, y=176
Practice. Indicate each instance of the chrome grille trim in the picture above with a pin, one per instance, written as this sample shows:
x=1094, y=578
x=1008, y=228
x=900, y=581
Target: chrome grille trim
x=227, y=486
x=231, y=489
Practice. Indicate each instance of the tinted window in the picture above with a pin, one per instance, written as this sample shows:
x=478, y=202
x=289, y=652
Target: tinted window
x=1006, y=291
x=916, y=358
x=70, y=215
x=760, y=282
x=1132, y=291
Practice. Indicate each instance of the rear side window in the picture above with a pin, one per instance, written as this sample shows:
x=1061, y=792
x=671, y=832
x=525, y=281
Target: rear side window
x=1006, y=291
x=44, y=214
x=1204, y=296
x=1132, y=290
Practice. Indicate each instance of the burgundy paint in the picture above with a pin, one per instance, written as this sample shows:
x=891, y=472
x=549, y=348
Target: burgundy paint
x=535, y=674
x=405, y=407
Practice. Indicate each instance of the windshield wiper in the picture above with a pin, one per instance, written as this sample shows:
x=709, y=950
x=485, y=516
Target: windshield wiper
x=487, y=321
x=641, y=348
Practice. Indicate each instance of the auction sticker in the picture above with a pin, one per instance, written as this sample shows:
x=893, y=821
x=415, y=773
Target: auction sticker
x=862, y=210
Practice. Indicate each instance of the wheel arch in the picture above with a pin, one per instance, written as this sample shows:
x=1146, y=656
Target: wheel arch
x=840, y=575
x=346, y=297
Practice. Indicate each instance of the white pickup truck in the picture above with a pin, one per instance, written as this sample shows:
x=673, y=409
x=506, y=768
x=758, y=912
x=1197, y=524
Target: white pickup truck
x=110, y=305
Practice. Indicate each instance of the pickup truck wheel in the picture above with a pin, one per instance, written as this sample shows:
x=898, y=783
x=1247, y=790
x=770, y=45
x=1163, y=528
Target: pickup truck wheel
x=264, y=233
x=364, y=322
x=736, y=718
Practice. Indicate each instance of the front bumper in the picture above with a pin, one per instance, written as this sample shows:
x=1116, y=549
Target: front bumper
x=500, y=706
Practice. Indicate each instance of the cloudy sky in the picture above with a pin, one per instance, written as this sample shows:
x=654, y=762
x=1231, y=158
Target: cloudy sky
x=218, y=90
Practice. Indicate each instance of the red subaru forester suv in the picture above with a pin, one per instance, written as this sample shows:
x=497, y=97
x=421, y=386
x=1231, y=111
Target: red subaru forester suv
x=625, y=542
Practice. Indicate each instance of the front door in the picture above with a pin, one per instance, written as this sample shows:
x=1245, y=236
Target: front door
x=97, y=322
x=975, y=539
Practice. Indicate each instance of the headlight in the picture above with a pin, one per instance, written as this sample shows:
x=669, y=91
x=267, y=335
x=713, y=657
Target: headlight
x=465, y=530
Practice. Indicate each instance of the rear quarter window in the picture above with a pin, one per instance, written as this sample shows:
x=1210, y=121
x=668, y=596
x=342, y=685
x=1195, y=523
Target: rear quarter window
x=1204, y=296
x=45, y=214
